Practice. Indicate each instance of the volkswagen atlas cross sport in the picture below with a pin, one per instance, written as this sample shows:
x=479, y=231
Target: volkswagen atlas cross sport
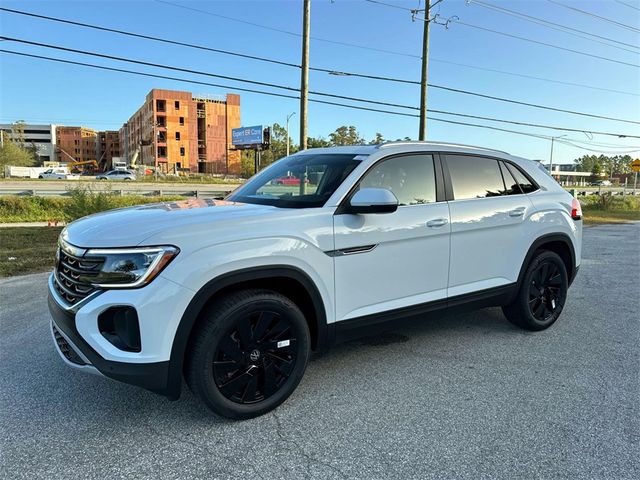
x=233, y=295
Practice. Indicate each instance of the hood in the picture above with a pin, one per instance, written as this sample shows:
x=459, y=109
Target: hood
x=128, y=227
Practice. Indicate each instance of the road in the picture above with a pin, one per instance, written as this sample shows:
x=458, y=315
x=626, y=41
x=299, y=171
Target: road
x=466, y=396
x=60, y=187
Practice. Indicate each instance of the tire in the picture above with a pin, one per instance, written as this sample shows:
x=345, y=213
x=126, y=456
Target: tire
x=127, y=179
x=542, y=294
x=40, y=176
x=236, y=363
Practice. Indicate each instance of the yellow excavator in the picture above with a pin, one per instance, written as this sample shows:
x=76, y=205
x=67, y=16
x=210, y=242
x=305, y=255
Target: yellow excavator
x=84, y=166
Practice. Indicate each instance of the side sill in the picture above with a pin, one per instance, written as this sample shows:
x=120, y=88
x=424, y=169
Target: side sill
x=376, y=323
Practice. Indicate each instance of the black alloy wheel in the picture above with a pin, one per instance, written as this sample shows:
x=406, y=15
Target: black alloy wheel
x=544, y=290
x=255, y=357
x=542, y=293
x=247, y=353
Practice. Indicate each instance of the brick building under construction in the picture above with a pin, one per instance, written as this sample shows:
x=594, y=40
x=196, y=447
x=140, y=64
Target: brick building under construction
x=178, y=131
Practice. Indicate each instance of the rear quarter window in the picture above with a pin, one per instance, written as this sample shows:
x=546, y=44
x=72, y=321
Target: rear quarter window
x=526, y=185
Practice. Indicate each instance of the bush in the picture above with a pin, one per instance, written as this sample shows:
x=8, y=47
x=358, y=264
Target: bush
x=613, y=203
x=80, y=202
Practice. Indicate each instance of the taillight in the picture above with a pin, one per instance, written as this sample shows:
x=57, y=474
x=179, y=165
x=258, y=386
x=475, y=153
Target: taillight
x=576, y=209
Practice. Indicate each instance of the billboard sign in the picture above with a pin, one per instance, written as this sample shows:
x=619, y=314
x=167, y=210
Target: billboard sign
x=246, y=136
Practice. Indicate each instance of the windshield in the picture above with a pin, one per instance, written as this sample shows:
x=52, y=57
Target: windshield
x=299, y=181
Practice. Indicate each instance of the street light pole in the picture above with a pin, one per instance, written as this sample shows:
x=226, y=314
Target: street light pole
x=553, y=139
x=288, y=117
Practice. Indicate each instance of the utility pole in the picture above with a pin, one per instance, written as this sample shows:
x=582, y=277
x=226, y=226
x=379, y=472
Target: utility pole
x=304, y=74
x=422, y=134
x=288, y=117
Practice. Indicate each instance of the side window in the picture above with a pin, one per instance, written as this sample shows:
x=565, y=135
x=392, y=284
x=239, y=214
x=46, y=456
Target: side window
x=475, y=177
x=513, y=188
x=411, y=178
x=525, y=184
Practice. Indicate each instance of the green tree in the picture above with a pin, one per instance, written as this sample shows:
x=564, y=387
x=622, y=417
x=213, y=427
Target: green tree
x=377, y=140
x=12, y=153
x=345, y=135
x=596, y=171
x=317, y=142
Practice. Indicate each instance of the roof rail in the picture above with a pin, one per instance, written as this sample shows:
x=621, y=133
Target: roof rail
x=444, y=144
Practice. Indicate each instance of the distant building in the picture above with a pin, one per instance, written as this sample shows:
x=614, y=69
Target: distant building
x=75, y=144
x=177, y=131
x=107, y=147
x=42, y=137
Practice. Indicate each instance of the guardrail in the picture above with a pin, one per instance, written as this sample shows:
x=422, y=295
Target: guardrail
x=151, y=192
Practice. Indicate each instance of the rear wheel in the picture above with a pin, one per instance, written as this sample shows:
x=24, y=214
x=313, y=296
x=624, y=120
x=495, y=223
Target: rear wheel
x=542, y=293
x=248, y=353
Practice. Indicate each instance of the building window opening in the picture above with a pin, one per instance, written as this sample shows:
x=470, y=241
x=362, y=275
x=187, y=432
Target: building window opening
x=182, y=151
x=177, y=135
x=177, y=105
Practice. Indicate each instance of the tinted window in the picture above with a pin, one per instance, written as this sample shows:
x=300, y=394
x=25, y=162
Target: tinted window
x=512, y=186
x=298, y=181
x=526, y=185
x=411, y=178
x=475, y=177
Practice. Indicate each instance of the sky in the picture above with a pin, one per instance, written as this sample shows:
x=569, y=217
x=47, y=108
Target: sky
x=41, y=91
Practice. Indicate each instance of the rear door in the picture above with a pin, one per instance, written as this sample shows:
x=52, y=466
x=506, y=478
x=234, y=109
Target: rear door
x=487, y=216
x=395, y=260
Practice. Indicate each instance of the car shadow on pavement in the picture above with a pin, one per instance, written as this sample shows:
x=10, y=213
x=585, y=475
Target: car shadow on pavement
x=95, y=400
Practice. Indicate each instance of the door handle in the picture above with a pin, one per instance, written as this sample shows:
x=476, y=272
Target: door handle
x=438, y=222
x=517, y=212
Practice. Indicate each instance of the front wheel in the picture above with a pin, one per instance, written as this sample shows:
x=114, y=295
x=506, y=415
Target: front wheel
x=248, y=353
x=542, y=294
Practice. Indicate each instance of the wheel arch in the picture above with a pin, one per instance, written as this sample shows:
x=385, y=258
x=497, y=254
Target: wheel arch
x=287, y=280
x=559, y=243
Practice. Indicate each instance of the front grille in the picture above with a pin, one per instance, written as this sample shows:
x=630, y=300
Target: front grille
x=66, y=349
x=73, y=276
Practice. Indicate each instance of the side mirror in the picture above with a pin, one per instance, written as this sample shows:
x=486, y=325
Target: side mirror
x=373, y=200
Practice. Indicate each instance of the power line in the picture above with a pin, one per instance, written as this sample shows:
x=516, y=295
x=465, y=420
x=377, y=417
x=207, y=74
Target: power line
x=292, y=89
x=550, y=45
x=534, y=77
x=199, y=72
x=197, y=82
x=535, y=125
x=565, y=142
x=355, y=107
x=286, y=32
x=288, y=64
x=534, y=105
x=388, y=5
x=627, y=5
x=558, y=26
x=144, y=74
x=590, y=14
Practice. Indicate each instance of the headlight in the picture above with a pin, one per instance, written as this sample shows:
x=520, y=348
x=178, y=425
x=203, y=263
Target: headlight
x=129, y=267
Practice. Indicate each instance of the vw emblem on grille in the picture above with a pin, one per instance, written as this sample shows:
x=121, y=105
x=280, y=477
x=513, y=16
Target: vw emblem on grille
x=254, y=355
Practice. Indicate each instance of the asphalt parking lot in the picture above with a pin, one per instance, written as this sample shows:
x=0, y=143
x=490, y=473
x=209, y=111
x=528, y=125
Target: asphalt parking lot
x=464, y=396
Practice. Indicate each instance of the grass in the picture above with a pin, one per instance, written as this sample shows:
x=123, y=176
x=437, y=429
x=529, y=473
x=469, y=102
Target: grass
x=603, y=216
x=80, y=203
x=27, y=249
x=599, y=209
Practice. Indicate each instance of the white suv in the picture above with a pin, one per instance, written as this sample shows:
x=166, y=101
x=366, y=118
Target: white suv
x=235, y=294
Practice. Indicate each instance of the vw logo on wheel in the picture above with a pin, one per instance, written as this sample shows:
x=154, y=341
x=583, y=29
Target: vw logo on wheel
x=254, y=355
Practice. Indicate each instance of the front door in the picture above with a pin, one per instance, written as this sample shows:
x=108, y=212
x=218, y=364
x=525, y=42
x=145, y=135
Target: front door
x=394, y=260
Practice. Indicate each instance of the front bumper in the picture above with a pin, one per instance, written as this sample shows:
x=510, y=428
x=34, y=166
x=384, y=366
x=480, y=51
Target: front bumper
x=79, y=354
